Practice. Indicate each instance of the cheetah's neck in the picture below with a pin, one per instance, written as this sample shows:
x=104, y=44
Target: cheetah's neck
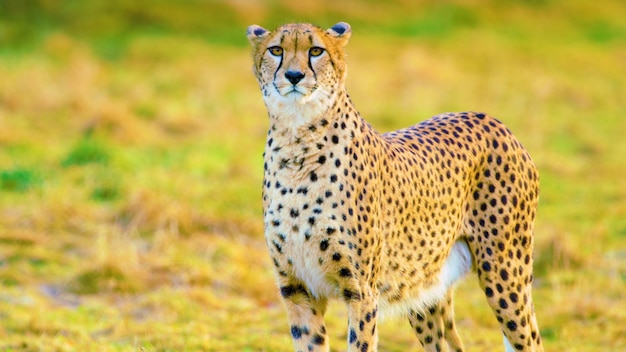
x=308, y=126
x=299, y=143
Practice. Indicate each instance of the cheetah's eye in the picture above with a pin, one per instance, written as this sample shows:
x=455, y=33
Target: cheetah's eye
x=316, y=51
x=275, y=50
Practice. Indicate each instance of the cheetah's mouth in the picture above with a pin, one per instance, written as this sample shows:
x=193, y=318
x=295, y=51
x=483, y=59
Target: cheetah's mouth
x=293, y=91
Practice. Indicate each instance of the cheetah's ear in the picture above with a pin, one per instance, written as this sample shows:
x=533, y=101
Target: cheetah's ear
x=341, y=32
x=256, y=34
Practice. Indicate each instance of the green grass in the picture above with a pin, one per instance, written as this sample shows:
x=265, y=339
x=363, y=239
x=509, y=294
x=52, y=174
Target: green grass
x=17, y=179
x=130, y=163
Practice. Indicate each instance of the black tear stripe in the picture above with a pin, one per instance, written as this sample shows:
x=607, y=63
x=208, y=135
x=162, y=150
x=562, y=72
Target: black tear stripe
x=280, y=64
x=309, y=58
x=312, y=70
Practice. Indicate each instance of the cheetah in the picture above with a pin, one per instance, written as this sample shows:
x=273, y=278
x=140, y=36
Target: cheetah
x=388, y=223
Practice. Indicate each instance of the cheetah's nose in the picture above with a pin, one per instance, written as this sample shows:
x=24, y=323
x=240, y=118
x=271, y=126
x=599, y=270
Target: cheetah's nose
x=294, y=76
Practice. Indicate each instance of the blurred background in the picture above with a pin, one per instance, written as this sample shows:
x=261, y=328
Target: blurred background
x=131, y=135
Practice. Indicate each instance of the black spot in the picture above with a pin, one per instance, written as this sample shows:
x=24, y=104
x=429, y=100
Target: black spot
x=364, y=347
x=333, y=178
x=511, y=325
x=321, y=159
x=318, y=339
x=349, y=294
x=288, y=291
x=296, y=332
x=335, y=139
x=294, y=213
x=503, y=303
x=313, y=176
x=504, y=274
x=336, y=256
x=324, y=245
x=352, y=337
x=486, y=266
x=513, y=297
x=345, y=272
x=330, y=230
x=488, y=292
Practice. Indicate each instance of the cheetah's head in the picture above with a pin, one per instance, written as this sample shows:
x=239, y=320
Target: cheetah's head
x=300, y=67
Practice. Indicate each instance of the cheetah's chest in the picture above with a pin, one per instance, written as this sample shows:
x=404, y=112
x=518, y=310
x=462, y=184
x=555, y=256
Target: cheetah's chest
x=302, y=253
x=301, y=232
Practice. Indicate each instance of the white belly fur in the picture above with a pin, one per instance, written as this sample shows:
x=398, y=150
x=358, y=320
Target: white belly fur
x=458, y=263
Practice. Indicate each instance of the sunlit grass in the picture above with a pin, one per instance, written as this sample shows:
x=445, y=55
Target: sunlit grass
x=130, y=164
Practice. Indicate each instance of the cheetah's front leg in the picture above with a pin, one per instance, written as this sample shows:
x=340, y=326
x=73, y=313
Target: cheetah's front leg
x=362, y=331
x=306, y=319
x=435, y=327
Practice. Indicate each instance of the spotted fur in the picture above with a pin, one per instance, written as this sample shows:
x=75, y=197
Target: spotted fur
x=387, y=222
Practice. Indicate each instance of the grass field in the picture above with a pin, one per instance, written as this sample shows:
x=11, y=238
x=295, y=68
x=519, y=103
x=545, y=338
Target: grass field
x=131, y=136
